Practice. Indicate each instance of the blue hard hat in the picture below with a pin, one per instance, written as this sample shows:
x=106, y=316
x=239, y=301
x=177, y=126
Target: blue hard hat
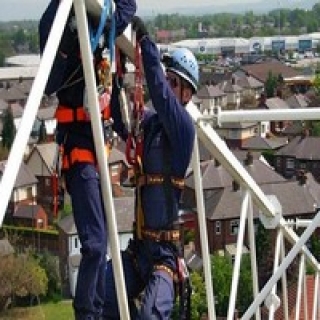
x=183, y=62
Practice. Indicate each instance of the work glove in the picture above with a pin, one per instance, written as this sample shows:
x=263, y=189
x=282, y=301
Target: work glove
x=69, y=43
x=139, y=27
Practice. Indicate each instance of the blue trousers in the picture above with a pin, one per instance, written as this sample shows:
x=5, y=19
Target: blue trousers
x=154, y=288
x=83, y=185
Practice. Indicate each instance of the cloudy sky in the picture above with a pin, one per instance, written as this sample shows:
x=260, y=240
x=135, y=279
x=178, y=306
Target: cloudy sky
x=32, y=9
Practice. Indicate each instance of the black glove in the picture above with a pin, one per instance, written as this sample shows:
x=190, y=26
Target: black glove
x=123, y=59
x=139, y=27
x=69, y=40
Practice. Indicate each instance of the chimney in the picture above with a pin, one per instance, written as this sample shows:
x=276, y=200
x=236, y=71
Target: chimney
x=302, y=177
x=248, y=161
x=235, y=185
x=262, y=100
x=305, y=133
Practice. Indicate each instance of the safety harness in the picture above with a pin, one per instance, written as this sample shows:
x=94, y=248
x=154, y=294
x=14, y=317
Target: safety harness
x=67, y=115
x=134, y=155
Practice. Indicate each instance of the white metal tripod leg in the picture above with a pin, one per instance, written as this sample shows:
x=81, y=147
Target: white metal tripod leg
x=97, y=129
x=21, y=139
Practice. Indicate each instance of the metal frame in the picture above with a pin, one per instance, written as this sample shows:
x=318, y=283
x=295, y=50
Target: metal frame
x=270, y=210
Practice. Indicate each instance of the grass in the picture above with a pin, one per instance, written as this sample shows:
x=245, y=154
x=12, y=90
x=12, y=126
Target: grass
x=50, y=311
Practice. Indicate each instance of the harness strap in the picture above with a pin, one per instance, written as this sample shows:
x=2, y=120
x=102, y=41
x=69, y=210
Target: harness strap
x=163, y=267
x=161, y=235
x=66, y=115
x=78, y=155
x=81, y=156
x=153, y=179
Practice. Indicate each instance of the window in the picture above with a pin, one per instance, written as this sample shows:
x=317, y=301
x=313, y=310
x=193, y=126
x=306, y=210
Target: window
x=290, y=163
x=76, y=243
x=218, y=227
x=47, y=181
x=234, y=226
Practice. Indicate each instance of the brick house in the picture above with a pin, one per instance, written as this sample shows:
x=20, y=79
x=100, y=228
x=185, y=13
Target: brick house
x=300, y=154
x=223, y=198
x=24, y=189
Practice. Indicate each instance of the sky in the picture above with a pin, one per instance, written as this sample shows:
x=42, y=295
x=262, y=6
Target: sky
x=32, y=9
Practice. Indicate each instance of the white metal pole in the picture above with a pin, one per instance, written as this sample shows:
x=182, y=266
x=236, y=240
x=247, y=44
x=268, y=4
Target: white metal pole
x=237, y=263
x=99, y=142
x=300, y=286
x=305, y=297
x=253, y=256
x=275, y=266
x=203, y=230
x=265, y=115
x=315, y=309
x=284, y=282
x=282, y=267
x=21, y=139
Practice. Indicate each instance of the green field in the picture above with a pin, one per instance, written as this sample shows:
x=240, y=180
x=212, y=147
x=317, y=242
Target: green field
x=51, y=311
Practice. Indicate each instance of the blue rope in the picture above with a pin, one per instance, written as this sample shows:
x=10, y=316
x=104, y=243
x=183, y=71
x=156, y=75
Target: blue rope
x=112, y=37
x=94, y=38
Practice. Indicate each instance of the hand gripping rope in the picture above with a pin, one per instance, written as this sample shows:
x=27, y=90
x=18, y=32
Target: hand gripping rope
x=134, y=146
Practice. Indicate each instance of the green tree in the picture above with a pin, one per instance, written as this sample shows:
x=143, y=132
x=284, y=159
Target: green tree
x=270, y=85
x=42, y=132
x=9, y=130
x=221, y=277
x=50, y=264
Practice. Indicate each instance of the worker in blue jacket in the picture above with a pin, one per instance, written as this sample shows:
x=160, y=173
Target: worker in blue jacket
x=78, y=158
x=151, y=266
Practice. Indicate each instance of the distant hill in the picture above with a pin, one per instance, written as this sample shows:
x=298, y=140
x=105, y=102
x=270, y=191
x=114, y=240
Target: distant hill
x=240, y=7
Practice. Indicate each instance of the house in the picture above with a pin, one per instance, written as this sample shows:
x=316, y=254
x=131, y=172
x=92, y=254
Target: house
x=274, y=103
x=12, y=95
x=235, y=133
x=211, y=97
x=30, y=215
x=261, y=71
x=24, y=190
x=250, y=85
x=46, y=117
x=223, y=199
x=301, y=153
x=233, y=93
x=41, y=162
x=69, y=243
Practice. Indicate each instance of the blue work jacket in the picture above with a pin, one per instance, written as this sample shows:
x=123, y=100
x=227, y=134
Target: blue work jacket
x=66, y=78
x=169, y=124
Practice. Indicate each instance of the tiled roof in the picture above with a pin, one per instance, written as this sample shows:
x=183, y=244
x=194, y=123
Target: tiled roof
x=302, y=148
x=261, y=70
x=24, y=178
x=207, y=92
x=295, y=199
x=276, y=103
x=214, y=176
x=297, y=101
x=27, y=211
x=261, y=143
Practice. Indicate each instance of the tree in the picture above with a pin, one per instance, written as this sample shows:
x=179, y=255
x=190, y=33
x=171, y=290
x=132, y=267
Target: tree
x=9, y=130
x=221, y=277
x=22, y=276
x=50, y=264
x=42, y=133
x=270, y=85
